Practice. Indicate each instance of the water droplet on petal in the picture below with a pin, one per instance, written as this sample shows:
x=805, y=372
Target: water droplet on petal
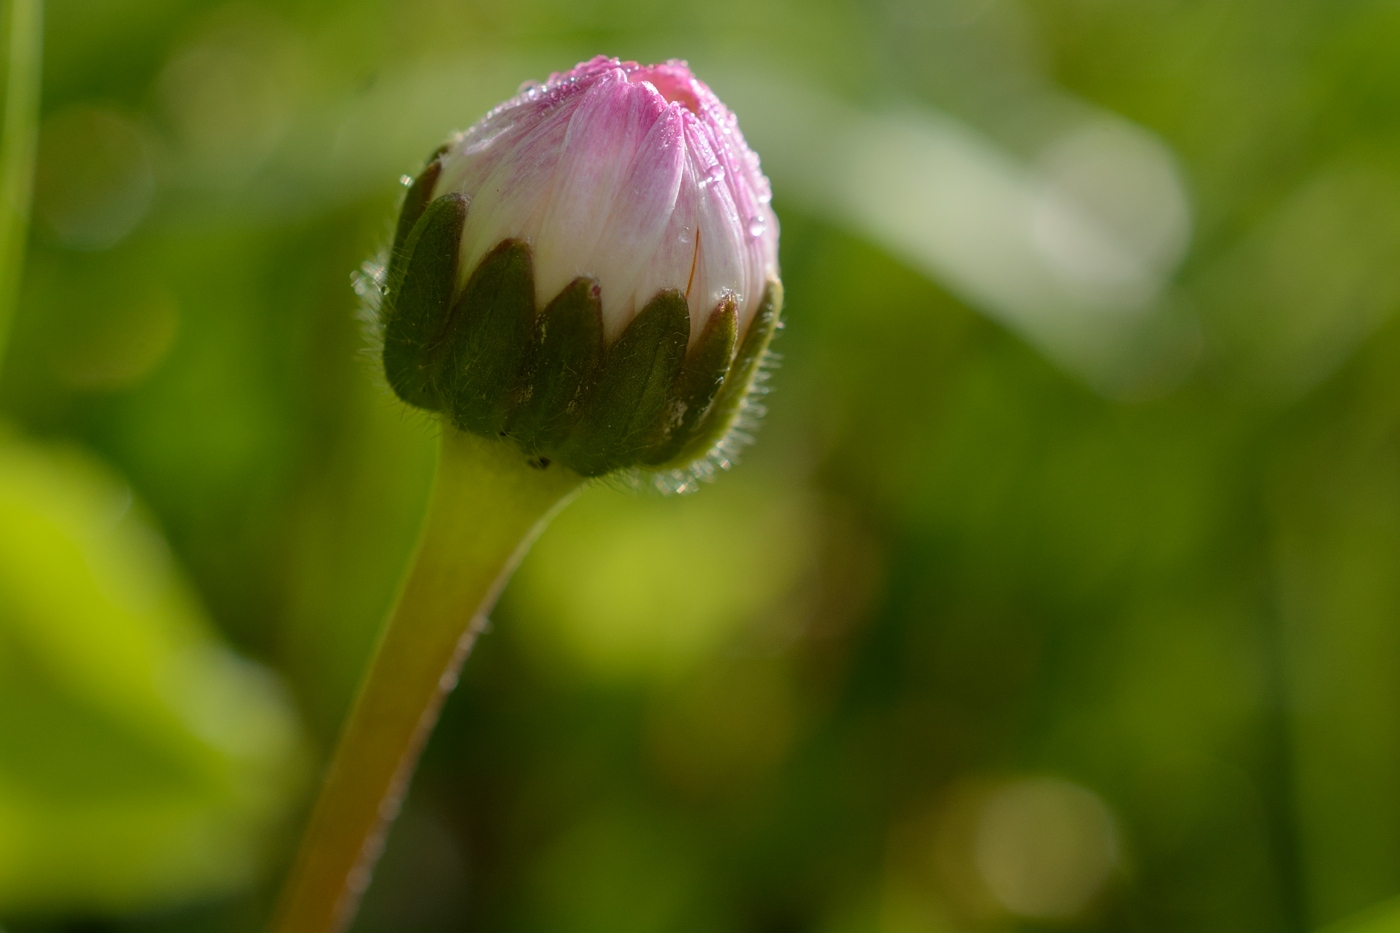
x=757, y=226
x=712, y=175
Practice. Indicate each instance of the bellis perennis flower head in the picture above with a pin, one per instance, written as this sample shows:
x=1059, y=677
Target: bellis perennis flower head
x=590, y=271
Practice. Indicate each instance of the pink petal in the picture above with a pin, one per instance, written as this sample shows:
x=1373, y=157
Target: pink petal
x=636, y=175
x=512, y=199
x=609, y=124
x=641, y=212
x=671, y=263
x=720, y=271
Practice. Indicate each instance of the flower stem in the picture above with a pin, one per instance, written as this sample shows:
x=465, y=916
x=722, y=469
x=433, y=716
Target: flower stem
x=17, y=141
x=487, y=507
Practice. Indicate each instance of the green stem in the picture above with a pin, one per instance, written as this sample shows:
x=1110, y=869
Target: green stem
x=20, y=131
x=487, y=507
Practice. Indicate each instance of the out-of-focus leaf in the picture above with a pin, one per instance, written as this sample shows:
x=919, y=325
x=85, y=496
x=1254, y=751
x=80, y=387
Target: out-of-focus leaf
x=1384, y=918
x=141, y=760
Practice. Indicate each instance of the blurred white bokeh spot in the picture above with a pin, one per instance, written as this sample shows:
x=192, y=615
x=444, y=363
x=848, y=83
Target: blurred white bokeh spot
x=1111, y=209
x=94, y=176
x=230, y=95
x=1074, y=250
x=1044, y=847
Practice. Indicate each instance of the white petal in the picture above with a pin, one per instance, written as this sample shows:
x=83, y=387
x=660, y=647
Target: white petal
x=672, y=261
x=719, y=272
x=641, y=212
x=512, y=199
x=603, y=135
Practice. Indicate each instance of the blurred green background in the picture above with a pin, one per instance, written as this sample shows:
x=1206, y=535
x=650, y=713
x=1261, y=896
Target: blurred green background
x=1061, y=592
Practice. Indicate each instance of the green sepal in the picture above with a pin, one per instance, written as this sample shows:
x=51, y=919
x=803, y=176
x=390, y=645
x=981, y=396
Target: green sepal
x=415, y=202
x=564, y=355
x=417, y=299
x=720, y=418
x=492, y=326
x=699, y=383
x=626, y=407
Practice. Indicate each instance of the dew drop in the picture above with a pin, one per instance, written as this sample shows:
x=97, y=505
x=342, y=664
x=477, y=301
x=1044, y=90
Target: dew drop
x=757, y=226
x=714, y=174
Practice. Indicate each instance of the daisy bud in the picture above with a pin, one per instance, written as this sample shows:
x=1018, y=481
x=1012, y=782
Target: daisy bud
x=590, y=271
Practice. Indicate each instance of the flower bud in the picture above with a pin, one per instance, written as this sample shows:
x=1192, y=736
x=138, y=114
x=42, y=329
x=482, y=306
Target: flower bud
x=590, y=271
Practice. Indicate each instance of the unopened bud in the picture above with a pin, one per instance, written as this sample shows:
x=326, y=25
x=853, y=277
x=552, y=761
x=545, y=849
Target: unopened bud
x=590, y=271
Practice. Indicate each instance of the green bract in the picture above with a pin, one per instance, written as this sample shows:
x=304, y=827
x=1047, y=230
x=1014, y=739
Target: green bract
x=494, y=363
